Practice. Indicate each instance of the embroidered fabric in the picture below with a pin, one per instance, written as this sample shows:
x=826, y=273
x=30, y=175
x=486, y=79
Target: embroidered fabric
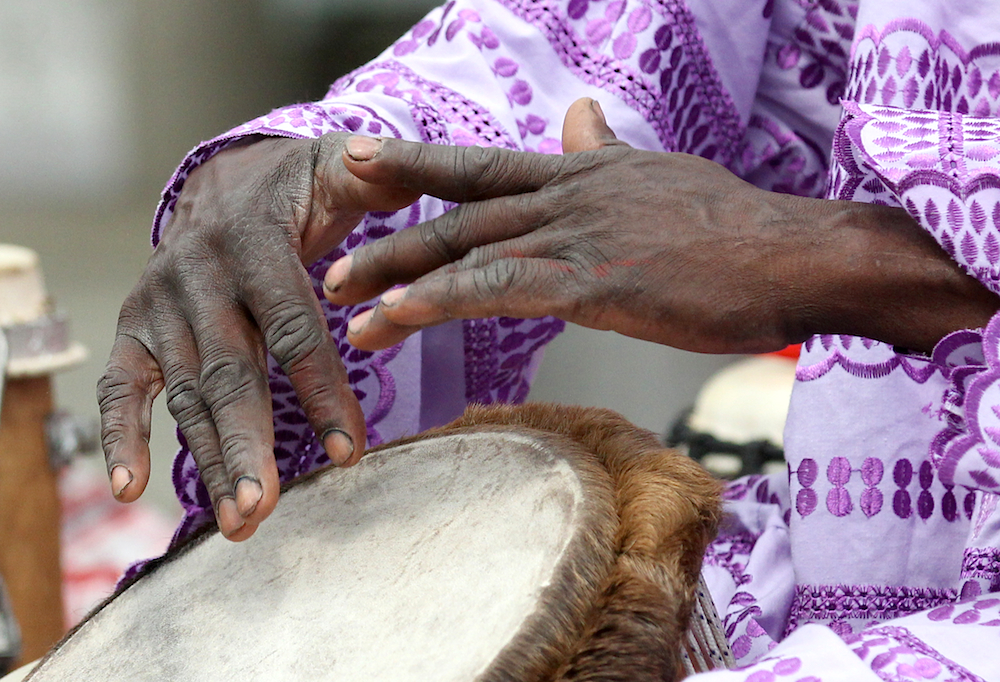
x=896, y=654
x=846, y=607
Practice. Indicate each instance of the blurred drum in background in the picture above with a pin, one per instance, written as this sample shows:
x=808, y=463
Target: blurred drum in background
x=518, y=543
x=736, y=426
x=37, y=344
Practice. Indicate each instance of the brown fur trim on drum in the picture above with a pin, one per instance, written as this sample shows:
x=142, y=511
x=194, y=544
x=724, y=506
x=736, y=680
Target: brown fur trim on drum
x=627, y=620
x=669, y=509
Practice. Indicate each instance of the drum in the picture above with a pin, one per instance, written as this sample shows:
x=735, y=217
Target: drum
x=528, y=543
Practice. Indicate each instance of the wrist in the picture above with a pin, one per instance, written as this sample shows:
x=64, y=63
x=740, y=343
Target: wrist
x=872, y=271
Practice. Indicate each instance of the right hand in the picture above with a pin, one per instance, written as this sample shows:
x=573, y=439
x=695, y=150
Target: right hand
x=225, y=285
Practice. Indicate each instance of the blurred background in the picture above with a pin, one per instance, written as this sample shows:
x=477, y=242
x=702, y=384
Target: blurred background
x=99, y=101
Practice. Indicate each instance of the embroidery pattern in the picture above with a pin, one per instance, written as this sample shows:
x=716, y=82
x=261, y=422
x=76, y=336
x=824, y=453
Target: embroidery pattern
x=834, y=605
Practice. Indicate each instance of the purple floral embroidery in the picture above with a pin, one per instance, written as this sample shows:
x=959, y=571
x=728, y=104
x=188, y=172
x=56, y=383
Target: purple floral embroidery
x=835, y=605
x=660, y=67
x=818, y=47
x=983, y=563
x=731, y=551
x=896, y=654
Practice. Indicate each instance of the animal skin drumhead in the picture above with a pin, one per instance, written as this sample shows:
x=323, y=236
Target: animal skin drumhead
x=420, y=563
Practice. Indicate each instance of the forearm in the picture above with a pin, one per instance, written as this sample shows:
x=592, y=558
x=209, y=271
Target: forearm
x=872, y=271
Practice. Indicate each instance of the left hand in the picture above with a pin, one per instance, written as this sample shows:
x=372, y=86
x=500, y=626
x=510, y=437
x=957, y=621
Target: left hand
x=665, y=247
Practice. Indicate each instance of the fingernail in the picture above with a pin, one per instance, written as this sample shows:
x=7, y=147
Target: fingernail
x=596, y=106
x=230, y=520
x=391, y=298
x=358, y=322
x=339, y=446
x=248, y=494
x=121, y=478
x=363, y=148
x=337, y=273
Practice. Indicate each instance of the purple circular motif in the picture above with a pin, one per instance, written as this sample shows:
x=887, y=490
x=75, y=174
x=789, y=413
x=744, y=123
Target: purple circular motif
x=597, y=30
x=941, y=613
x=663, y=37
x=639, y=20
x=535, y=125
x=788, y=56
x=453, y=29
x=505, y=67
x=883, y=660
x=649, y=61
x=741, y=646
x=969, y=504
x=966, y=617
x=577, y=8
x=404, y=47
x=489, y=38
x=928, y=668
x=788, y=666
x=925, y=504
x=624, y=45
x=754, y=629
x=987, y=603
x=761, y=676
x=872, y=471
x=423, y=28
x=926, y=475
x=949, y=507
x=470, y=15
x=871, y=501
x=902, y=473
x=521, y=93
x=901, y=504
x=838, y=472
x=805, y=501
x=807, y=472
x=838, y=502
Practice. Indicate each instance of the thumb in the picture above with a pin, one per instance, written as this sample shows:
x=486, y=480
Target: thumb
x=585, y=128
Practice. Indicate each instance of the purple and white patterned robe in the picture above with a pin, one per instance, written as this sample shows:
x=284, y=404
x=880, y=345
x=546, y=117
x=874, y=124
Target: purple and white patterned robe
x=876, y=556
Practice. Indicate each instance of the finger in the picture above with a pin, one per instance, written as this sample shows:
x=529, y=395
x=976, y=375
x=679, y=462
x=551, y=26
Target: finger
x=125, y=394
x=460, y=174
x=295, y=331
x=181, y=366
x=233, y=385
x=509, y=287
x=340, y=200
x=586, y=129
x=409, y=254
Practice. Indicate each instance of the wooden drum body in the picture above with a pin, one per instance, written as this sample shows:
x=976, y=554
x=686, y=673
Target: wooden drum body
x=532, y=543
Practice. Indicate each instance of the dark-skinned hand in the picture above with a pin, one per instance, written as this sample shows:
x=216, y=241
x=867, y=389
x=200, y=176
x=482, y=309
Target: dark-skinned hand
x=666, y=247
x=226, y=284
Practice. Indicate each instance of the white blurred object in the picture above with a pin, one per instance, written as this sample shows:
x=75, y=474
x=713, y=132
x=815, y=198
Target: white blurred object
x=747, y=401
x=737, y=424
x=37, y=337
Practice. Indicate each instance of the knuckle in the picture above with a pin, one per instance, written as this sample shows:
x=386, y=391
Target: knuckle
x=224, y=380
x=496, y=280
x=215, y=476
x=293, y=334
x=185, y=403
x=441, y=237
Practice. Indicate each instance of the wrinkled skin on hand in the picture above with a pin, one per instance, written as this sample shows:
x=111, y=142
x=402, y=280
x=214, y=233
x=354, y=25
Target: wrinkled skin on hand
x=665, y=247
x=225, y=285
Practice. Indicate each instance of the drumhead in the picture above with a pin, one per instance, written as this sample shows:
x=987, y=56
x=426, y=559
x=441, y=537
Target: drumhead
x=425, y=561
